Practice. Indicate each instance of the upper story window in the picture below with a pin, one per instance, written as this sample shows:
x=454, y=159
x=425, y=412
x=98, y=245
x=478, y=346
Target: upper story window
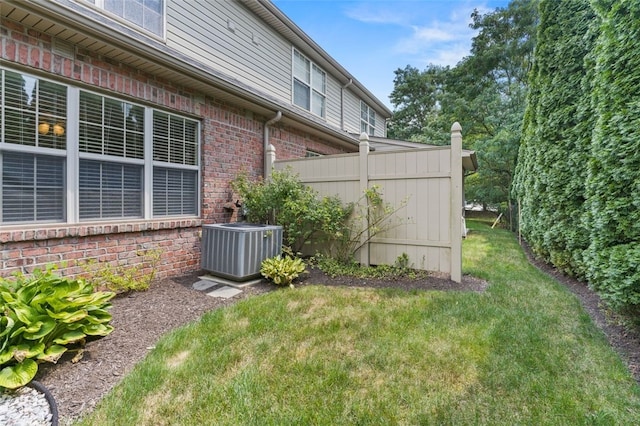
x=69, y=155
x=309, y=85
x=147, y=14
x=367, y=119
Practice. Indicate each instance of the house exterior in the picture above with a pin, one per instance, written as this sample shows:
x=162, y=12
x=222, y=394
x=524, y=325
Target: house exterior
x=122, y=124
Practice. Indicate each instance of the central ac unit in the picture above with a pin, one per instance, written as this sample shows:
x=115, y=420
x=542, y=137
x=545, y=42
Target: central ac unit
x=236, y=250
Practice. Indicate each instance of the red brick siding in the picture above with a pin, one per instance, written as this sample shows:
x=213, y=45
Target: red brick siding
x=71, y=246
x=232, y=142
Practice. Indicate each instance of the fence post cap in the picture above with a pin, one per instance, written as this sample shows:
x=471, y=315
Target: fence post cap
x=456, y=127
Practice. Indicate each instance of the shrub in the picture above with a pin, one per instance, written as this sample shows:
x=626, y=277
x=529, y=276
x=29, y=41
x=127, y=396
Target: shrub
x=124, y=278
x=285, y=201
x=402, y=268
x=40, y=315
x=370, y=216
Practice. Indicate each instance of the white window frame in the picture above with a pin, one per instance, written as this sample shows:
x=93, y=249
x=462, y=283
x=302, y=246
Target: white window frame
x=316, y=85
x=100, y=4
x=367, y=125
x=73, y=156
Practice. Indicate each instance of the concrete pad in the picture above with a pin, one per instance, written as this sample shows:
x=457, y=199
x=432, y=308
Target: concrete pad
x=204, y=284
x=225, y=292
x=231, y=283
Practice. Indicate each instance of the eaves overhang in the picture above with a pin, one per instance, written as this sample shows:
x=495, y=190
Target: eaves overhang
x=67, y=20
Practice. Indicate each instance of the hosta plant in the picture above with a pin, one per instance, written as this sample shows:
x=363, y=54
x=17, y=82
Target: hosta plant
x=40, y=316
x=282, y=270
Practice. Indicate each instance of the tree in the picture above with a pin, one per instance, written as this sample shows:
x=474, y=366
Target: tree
x=490, y=89
x=418, y=98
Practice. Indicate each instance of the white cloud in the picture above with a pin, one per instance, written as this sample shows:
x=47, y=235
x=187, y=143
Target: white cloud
x=434, y=31
x=377, y=13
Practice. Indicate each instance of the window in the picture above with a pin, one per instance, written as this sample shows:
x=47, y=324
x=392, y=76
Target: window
x=111, y=127
x=175, y=173
x=309, y=85
x=147, y=14
x=110, y=190
x=367, y=119
x=32, y=128
x=119, y=156
x=34, y=111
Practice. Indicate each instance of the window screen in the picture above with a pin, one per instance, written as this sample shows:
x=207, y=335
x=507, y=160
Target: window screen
x=111, y=127
x=174, y=192
x=110, y=190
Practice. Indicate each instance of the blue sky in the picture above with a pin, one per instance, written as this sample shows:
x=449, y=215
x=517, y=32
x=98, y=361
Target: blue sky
x=373, y=38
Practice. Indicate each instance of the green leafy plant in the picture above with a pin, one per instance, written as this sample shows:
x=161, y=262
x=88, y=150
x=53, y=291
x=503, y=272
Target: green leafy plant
x=40, y=315
x=123, y=278
x=284, y=200
x=282, y=270
x=334, y=267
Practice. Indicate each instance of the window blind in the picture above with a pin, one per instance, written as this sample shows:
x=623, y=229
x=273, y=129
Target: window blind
x=110, y=190
x=33, y=188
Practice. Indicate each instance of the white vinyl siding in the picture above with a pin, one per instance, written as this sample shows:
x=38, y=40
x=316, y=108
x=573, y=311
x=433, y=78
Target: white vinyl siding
x=70, y=155
x=353, y=116
x=232, y=40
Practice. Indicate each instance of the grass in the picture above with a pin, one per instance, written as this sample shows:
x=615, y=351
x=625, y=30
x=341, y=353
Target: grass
x=523, y=352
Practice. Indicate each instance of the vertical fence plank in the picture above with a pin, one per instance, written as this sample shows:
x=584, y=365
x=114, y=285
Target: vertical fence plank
x=364, y=185
x=456, y=202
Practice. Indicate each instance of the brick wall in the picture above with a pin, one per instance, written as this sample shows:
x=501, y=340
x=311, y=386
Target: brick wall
x=123, y=243
x=232, y=142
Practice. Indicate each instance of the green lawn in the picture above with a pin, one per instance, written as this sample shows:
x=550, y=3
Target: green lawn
x=523, y=352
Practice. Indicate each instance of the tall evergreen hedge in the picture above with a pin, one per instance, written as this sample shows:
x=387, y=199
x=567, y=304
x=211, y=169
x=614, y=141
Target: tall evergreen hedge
x=613, y=182
x=551, y=172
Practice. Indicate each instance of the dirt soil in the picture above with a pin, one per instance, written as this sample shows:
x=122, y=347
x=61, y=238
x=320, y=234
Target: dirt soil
x=140, y=319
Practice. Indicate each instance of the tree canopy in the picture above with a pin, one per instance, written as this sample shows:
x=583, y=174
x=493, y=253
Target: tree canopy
x=485, y=92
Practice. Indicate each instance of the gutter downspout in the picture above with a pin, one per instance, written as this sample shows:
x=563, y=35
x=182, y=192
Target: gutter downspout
x=275, y=119
x=349, y=83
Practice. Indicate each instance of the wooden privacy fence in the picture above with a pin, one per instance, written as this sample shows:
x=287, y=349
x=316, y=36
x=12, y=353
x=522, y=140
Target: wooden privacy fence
x=428, y=179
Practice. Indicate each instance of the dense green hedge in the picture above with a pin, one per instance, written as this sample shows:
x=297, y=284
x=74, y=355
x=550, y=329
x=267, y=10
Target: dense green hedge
x=551, y=172
x=613, y=183
x=578, y=174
